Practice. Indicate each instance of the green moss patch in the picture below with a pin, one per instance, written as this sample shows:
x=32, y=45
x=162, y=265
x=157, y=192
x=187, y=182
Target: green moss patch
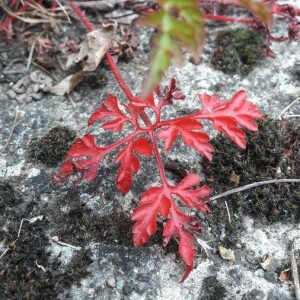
x=238, y=51
x=52, y=148
x=274, y=147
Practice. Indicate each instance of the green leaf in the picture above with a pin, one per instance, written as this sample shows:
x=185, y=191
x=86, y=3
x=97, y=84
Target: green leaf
x=180, y=24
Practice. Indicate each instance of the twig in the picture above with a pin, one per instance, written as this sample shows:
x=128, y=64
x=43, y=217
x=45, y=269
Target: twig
x=253, y=185
x=13, y=243
x=57, y=241
x=30, y=54
x=10, y=134
x=279, y=117
x=228, y=212
x=53, y=76
x=295, y=274
x=63, y=9
x=292, y=116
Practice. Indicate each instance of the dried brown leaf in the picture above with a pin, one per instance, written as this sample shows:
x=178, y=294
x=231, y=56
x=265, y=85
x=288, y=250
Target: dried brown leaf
x=67, y=84
x=93, y=49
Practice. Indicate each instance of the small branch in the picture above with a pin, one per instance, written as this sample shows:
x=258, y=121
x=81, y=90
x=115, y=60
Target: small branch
x=18, y=236
x=253, y=185
x=57, y=241
x=40, y=266
x=4, y=25
x=228, y=212
x=292, y=116
x=279, y=117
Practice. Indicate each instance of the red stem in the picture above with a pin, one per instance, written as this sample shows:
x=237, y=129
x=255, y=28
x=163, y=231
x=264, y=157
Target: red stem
x=4, y=25
x=82, y=17
x=119, y=78
x=228, y=19
x=111, y=63
x=161, y=169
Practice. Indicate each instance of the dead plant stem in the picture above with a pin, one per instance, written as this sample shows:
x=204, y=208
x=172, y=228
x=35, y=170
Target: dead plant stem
x=253, y=185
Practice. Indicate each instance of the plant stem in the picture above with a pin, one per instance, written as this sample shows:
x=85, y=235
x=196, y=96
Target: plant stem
x=119, y=78
x=228, y=19
x=4, y=25
x=161, y=169
x=252, y=185
x=82, y=17
x=111, y=63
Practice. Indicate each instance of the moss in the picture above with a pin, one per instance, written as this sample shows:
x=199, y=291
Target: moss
x=81, y=225
x=238, y=51
x=212, y=289
x=96, y=81
x=10, y=198
x=9, y=195
x=21, y=278
x=52, y=148
x=221, y=225
x=260, y=161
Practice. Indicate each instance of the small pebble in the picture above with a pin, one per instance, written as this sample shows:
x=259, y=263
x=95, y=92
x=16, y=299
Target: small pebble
x=111, y=281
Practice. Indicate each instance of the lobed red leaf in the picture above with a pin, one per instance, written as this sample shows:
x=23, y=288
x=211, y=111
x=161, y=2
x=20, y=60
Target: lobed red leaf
x=84, y=157
x=153, y=201
x=189, y=131
x=130, y=163
x=109, y=109
x=228, y=116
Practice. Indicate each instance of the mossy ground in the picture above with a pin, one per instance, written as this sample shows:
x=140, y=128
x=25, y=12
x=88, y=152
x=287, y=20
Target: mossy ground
x=52, y=148
x=20, y=276
x=274, y=147
x=238, y=51
x=212, y=289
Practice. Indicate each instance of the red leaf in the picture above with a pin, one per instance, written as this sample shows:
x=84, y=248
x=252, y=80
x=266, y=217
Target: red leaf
x=189, y=130
x=109, y=109
x=159, y=200
x=153, y=201
x=85, y=157
x=180, y=225
x=193, y=198
x=227, y=116
x=130, y=163
x=143, y=147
